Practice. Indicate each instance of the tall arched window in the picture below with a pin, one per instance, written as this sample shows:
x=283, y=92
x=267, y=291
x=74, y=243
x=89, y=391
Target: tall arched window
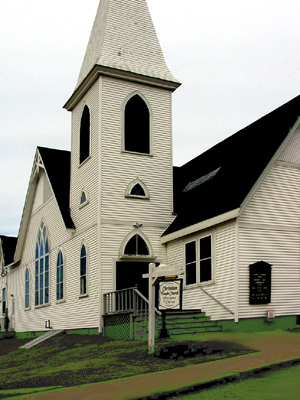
x=137, y=126
x=84, y=145
x=42, y=267
x=60, y=277
x=83, y=271
x=27, y=288
x=136, y=246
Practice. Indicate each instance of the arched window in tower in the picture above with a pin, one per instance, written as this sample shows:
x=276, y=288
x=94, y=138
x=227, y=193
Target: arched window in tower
x=84, y=145
x=136, y=246
x=42, y=267
x=137, y=126
x=137, y=189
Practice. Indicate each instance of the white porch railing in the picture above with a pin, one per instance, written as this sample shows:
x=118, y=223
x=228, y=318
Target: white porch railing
x=126, y=300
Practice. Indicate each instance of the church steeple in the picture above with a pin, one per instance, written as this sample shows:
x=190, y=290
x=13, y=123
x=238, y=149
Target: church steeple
x=123, y=43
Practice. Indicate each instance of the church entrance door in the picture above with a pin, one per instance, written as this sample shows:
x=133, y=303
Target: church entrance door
x=130, y=274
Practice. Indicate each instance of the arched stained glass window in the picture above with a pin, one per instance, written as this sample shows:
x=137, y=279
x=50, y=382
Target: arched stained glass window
x=60, y=277
x=136, y=246
x=84, y=145
x=83, y=271
x=137, y=126
x=42, y=267
x=27, y=281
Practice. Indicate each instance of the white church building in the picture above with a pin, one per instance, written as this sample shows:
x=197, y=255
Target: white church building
x=95, y=217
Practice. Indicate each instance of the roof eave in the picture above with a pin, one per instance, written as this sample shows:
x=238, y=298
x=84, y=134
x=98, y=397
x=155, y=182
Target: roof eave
x=100, y=70
x=200, y=226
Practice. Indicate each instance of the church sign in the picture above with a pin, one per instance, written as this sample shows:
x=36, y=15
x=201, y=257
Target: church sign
x=170, y=295
x=260, y=283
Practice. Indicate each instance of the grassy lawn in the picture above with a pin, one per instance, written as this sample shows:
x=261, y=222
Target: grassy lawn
x=279, y=385
x=69, y=360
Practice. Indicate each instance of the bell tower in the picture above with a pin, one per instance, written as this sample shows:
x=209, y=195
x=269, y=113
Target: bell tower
x=121, y=162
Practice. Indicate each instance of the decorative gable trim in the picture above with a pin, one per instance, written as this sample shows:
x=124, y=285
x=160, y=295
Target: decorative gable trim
x=29, y=201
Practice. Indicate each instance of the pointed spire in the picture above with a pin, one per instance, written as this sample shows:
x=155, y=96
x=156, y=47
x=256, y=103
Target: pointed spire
x=123, y=38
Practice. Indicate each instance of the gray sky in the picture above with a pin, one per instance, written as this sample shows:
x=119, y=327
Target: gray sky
x=237, y=61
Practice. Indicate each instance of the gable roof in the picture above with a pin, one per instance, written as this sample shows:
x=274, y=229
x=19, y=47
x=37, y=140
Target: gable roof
x=219, y=180
x=8, y=244
x=57, y=165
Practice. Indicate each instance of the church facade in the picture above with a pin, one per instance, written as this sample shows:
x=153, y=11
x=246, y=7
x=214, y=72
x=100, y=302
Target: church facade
x=95, y=217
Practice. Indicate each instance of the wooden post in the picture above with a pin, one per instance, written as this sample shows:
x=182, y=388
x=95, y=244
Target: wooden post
x=151, y=322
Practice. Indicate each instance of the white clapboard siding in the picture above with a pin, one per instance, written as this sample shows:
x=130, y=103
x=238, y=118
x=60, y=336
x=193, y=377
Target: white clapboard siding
x=119, y=168
x=276, y=200
x=281, y=250
x=74, y=312
x=85, y=176
x=291, y=151
x=223, y=289
x=270, y=231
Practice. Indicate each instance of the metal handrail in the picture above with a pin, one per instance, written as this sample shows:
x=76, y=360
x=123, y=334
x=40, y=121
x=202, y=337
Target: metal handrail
x=217, y=301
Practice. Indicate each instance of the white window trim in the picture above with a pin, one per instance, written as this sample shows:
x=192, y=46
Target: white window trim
x=197, y=240
x=150, y=125
x=131, y=185
x=123, y=256
x=90, y=150
x=49, y=271
x=81, y=205
x=64, y=277
x=29, y=306
x=86, y=294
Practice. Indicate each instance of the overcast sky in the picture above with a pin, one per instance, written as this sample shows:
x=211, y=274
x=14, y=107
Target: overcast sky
x=237, y=60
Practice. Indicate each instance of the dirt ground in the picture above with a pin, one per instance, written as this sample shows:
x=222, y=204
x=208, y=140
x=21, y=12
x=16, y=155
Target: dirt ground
x=169, y=356
x=274, y=347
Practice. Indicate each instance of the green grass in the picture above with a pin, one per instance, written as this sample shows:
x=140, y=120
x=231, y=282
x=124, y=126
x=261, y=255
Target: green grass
x=279, y=385
x=69, y=360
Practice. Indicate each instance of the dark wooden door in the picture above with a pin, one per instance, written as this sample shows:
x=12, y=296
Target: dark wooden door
x=130, y=274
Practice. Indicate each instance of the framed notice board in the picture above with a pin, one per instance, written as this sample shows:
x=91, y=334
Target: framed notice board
x=260, y=283
x=170, y=294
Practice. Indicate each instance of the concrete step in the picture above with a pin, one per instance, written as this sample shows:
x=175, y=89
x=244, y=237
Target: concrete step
x=41, y=338
x=184, y=331
x=194, y=325
x=186, y=319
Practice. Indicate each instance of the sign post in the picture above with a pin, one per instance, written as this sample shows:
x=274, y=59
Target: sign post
x=154, y=274
x=151, y=322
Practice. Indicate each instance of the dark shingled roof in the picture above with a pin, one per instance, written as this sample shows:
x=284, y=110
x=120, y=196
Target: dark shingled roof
x=218, y=180
x=8, y=247
x=57, y=164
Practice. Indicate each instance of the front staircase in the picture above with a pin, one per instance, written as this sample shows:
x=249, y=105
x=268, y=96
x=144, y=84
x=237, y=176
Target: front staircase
x=125, y=316
x=189, y=322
